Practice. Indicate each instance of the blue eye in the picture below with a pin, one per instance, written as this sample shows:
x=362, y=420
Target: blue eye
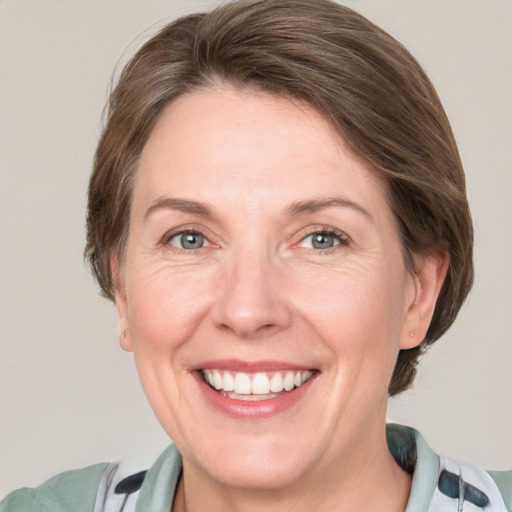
x=189, y=240
x=322, y=240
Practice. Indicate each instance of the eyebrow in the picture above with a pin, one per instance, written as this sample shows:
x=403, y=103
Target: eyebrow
x=182, y=205
x=314, y=205
x=296, y=208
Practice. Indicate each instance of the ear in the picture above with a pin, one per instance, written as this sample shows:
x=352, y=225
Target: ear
x=427, y=281
x=121, y=304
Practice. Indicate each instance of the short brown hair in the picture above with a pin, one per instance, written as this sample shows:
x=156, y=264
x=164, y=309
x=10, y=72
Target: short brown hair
x=357, y=76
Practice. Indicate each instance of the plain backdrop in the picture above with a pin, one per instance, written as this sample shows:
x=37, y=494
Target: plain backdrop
x=68, y=395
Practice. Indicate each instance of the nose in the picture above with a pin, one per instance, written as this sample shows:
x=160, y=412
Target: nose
x=251, y=300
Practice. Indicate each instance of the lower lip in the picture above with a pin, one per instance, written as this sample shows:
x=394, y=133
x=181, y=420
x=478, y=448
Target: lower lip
x=259, y=409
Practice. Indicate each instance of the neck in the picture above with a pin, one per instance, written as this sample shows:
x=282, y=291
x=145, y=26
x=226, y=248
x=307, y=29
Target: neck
x=366, y=479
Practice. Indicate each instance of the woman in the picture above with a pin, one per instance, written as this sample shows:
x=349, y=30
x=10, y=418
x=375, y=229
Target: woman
x=278, y=210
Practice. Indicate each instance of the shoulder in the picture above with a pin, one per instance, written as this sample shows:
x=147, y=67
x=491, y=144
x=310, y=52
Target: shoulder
x=473, y=486
x=444, y=484
x=71, y=491
x=103, y=488
x=503, y=480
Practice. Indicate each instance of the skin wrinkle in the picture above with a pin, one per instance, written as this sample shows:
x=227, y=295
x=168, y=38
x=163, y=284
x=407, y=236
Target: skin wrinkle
x=415, y=152
x=296, y=208
x=259, y=294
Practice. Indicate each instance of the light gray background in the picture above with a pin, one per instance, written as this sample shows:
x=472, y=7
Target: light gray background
x=68, y=395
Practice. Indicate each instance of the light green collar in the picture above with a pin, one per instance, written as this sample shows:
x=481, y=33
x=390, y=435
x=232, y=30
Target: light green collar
x=160, y=483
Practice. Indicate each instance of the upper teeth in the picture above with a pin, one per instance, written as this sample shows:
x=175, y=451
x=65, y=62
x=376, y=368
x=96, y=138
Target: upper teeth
x=260, y=383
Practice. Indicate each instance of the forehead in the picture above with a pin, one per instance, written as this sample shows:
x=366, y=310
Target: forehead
x=224, y=145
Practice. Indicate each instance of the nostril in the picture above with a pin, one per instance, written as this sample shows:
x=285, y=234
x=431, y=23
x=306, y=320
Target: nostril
x=247, y=331
x=250, y=310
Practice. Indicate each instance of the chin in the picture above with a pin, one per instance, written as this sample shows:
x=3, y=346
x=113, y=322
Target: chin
x=260, y=464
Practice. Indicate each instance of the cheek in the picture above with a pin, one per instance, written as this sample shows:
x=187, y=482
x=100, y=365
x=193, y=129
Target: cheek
x=164, y=308
x=164, y=311
x=355, y=309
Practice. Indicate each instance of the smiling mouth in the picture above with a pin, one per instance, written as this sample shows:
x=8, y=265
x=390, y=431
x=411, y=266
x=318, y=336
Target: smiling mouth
x=255, y=386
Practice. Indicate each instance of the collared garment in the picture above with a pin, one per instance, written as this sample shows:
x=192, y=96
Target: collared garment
x=439, y=484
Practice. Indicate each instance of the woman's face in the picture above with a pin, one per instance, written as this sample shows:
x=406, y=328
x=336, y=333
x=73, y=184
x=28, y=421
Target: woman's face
x=262, y=255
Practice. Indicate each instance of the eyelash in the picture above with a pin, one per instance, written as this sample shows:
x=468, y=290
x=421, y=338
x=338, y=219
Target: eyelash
x=339, y=236
x=166, y=239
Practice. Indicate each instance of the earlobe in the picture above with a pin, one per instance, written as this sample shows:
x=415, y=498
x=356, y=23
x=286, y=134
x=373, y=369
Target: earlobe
x=121, y=305
x=428, y=280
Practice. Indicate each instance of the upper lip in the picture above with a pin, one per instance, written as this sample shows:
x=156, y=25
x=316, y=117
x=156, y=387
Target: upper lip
x=237, y=365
